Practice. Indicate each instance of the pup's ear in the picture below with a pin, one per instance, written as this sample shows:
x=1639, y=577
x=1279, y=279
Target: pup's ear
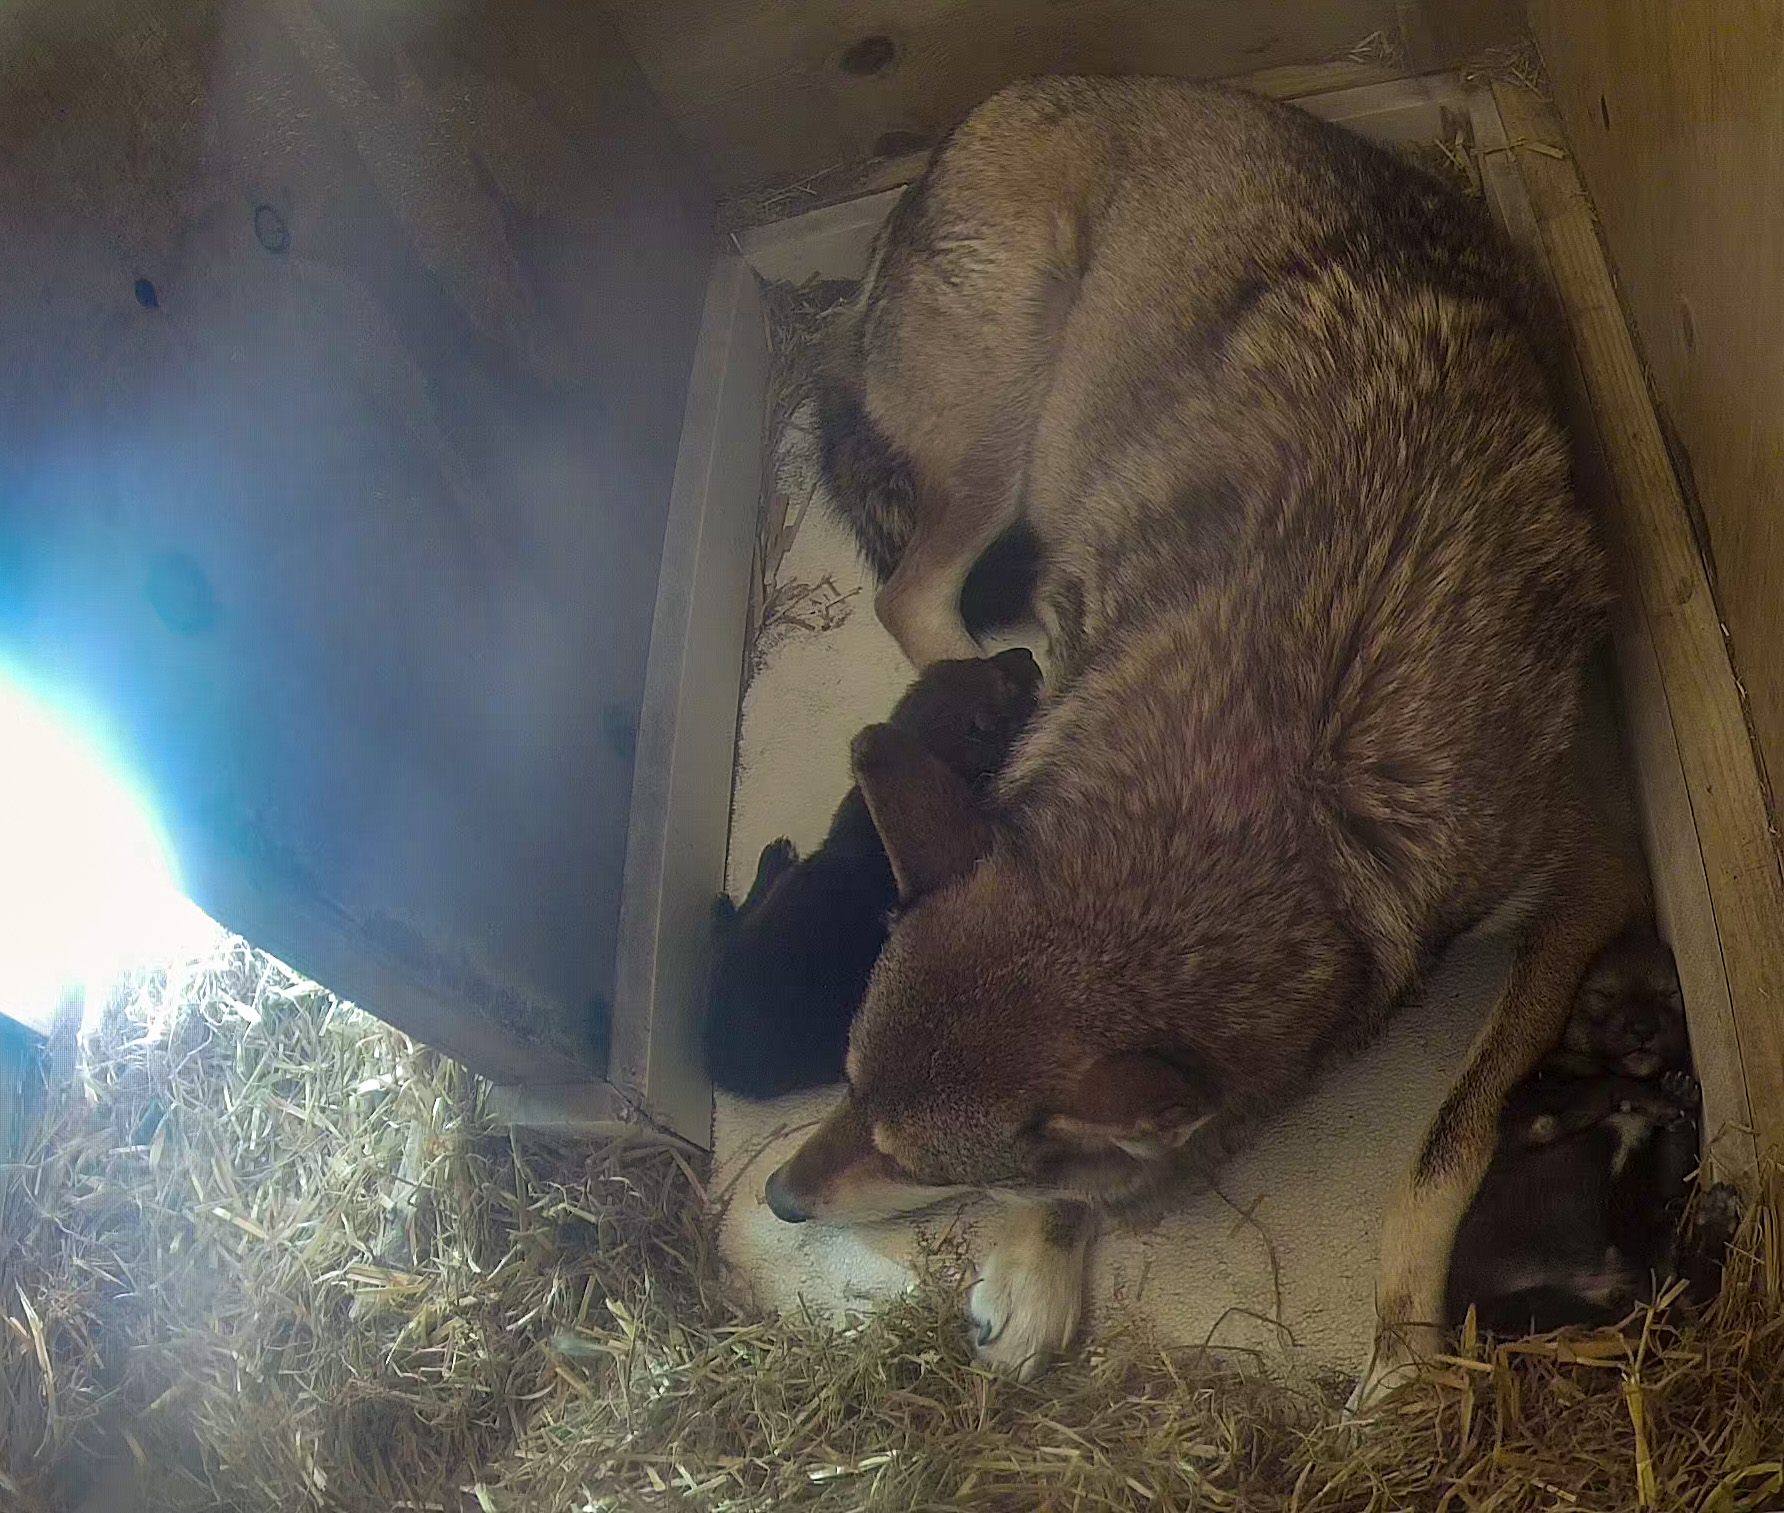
x=1019, y=666
x=931, y=829
x=1136, y=1100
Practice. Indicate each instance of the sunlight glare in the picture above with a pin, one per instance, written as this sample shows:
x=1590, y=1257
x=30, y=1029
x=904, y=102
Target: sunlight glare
x=88, y=885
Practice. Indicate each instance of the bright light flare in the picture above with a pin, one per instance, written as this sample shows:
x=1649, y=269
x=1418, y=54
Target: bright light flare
x=88, y=884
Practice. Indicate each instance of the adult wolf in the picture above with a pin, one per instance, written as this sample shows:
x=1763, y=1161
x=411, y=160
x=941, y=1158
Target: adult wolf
x=1319, y=602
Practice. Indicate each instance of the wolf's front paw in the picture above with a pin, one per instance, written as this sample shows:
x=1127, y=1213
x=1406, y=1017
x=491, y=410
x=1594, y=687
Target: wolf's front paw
x=1021, y=1318
x=1394, y=1363
x=1024, y=1309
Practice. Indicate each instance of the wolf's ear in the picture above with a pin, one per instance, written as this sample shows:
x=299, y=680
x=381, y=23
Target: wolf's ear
x=932, y=830
x=1136, y=1100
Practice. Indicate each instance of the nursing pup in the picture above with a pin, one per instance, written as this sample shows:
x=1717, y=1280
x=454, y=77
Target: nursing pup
x=1579, y=1217
x=1318, y=599
x=793, y=958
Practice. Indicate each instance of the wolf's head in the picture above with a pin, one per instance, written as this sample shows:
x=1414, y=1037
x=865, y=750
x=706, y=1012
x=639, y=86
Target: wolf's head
x=990, y=1052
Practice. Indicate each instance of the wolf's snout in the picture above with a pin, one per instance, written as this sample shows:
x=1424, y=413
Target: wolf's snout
x=781, y=1200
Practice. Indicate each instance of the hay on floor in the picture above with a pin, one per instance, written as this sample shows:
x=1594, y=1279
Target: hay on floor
x=265, y=1253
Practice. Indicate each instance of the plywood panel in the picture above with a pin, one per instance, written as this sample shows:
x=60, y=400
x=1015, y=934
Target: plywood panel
x=1713, y=815
x=854, y=182
x=1676, y=114
x=1461, y=28
x=681, y=795
x=1683, y=903
x=342, y=358
x=764, y=89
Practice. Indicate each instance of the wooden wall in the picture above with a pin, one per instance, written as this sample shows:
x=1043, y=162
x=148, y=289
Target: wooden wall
x=1675, y=114
x=771, y=91
x=343, y=348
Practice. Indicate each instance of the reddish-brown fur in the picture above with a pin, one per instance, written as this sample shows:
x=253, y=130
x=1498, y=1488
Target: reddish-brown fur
x=1319, y=603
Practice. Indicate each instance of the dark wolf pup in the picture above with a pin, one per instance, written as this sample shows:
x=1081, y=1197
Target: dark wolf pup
x=794, y=956
x=1319, y=601
x=1578, y=1219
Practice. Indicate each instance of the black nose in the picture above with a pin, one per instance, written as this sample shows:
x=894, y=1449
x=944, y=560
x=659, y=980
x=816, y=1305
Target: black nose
x=781, y=1200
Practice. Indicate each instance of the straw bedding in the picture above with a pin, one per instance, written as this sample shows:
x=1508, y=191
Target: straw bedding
x=262, y=1252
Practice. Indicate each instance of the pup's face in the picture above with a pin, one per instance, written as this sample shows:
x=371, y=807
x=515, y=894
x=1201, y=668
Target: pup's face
x=1629, y=1014
x=975, y=1061
x=969, y=712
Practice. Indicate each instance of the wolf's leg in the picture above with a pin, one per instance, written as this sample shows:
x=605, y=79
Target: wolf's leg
x=920, y=603
x=967, y=418
x=1596, y=894
x=1025, y=1307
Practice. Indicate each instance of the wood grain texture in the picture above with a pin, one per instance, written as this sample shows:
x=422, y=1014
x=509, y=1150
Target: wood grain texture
x=687, y=740
x=761, y=90
x=1689, y=672
x=1685, y=910
x=1461, y=28
x=854, y=181
x=342, y=359
x=1676, y=114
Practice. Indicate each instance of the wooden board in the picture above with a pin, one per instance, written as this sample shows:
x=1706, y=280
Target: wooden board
x=687, y=741
x=343, y=352
x=763, y=89
x=1686, y=913
x=850, y=183
x=1459, y=29
x=1674, y=112
x=1710, y=814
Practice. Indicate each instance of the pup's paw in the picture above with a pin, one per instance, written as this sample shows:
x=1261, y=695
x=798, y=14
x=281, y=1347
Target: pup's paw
x=1682, y=1089
x=1665, y=1110
x=1718, y=1215
x=1024, y=1310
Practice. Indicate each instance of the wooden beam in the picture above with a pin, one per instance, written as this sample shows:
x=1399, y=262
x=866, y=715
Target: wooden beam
x=855, y=180
x=1672, y=112
x=1687, y=692
x=1686, y=914
x=775, y=91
